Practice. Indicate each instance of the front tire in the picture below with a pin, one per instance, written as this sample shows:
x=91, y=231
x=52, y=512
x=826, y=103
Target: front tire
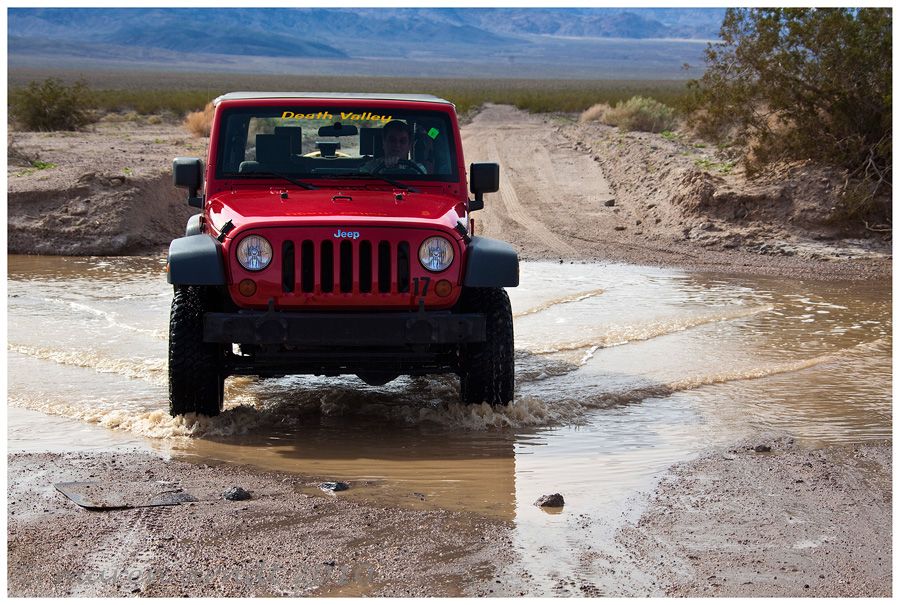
x=487, y=369
x=196, y=376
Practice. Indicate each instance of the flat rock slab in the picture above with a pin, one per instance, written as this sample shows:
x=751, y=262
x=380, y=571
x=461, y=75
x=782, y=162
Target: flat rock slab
x=108, y=496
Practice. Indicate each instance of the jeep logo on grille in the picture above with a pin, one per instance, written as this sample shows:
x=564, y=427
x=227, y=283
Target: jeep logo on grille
x=342, y=234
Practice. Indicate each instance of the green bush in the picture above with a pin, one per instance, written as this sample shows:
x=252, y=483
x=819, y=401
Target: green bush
x=637, y=113
x=804, y=84
x=51, y=105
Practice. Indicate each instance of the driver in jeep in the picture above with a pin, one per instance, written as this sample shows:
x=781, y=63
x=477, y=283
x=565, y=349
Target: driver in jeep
x=396, y=142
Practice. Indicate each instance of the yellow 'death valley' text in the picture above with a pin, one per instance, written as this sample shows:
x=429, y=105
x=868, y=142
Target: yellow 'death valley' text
x=366, y=116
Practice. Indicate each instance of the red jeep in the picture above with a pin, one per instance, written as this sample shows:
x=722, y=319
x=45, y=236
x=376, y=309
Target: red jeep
x=335, y=238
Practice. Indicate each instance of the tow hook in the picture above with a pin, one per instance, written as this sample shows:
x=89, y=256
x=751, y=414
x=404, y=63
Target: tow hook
x=272, y=325
x=419, y=329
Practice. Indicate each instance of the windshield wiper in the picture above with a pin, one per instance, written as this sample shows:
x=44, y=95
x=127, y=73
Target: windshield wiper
x=357, y=175
x=282, y=176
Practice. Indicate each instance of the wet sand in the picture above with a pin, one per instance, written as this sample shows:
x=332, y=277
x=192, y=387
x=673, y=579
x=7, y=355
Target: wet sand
x=791, y=522
x=285, y=541
x=735, y=522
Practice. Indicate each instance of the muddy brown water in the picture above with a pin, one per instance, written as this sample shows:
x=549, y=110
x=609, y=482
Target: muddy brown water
x=622, y=371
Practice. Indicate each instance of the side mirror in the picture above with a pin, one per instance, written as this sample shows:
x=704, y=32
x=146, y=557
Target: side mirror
x=483, y=178
x=188, y=173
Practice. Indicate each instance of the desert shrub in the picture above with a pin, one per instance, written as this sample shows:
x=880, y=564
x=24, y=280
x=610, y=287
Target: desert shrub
x=594, y=113
x=51, y=105
x=637, y=113
x=804, y=84
x=199, y=123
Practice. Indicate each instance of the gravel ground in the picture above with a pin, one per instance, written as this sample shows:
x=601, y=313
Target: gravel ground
x=790, y=522
x=282, y=542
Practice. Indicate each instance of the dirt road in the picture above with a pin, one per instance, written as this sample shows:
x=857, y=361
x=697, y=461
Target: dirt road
x=589, y=192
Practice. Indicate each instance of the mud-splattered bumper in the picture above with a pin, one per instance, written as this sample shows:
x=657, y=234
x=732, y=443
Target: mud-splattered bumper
x=343, y=329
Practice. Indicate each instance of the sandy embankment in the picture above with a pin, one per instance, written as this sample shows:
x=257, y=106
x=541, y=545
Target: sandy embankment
x=589, y=192
x=109, y=192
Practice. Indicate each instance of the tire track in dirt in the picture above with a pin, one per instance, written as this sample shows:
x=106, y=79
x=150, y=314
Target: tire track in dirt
x=541, y=179
x=121, y=562
x=516, y=211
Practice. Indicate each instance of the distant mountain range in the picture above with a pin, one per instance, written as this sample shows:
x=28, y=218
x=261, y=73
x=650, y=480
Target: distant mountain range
x=469, y=34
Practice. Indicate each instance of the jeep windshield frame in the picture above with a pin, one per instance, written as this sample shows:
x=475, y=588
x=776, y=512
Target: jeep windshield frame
x=283, y=139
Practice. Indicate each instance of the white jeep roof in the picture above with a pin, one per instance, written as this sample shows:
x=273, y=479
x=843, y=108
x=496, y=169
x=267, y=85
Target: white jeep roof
x=331, y=95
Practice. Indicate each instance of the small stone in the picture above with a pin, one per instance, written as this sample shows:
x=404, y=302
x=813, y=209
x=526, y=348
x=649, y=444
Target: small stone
x=609, y=203
x=333, y=486
x=236, y=493
x=550, y=501
x=759, y=449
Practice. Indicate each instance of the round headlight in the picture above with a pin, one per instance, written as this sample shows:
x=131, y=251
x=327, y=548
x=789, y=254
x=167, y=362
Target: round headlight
x=436, y=253
x=254, y=253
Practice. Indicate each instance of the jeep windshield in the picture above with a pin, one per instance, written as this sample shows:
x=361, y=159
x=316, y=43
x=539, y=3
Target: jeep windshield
x=317, y=143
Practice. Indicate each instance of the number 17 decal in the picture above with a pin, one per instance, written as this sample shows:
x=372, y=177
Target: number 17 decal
x=425, y=281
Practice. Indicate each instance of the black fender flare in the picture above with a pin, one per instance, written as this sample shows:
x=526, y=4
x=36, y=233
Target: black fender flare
x=196, y=260
x=491, y=263
x=193, y=225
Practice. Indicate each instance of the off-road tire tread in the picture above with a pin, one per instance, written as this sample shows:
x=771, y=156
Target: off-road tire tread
x=487, y=369
x=196, y=381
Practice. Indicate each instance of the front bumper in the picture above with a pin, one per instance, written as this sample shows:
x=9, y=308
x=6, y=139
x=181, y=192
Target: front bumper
x=385, y=329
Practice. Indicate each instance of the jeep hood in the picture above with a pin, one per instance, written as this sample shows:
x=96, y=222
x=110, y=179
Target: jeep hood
x=267, y=208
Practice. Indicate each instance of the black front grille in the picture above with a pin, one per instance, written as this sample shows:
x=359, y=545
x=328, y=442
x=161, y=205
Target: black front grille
x=384, y=266
x=287, y=267
x=326, y=276
x=346, y=273
x=307, y=266
x=346, y=268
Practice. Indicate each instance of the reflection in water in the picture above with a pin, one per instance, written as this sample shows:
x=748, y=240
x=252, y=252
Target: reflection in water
x=407, y=466
x=621, y=372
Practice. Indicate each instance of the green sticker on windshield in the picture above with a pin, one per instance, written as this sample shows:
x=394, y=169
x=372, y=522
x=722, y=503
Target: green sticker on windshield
x=433, y=133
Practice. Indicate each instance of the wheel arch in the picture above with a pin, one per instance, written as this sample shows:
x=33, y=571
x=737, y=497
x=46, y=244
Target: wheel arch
x=196, y=260
x=491, y=263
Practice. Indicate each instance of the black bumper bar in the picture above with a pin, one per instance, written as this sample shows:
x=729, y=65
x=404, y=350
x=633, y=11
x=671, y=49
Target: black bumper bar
x=384, y=329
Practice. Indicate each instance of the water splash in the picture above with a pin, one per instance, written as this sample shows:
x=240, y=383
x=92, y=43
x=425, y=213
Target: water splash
x=153, y=370
x=560, y=301
x=111, y=318
x=620, y=335
x=421, y=401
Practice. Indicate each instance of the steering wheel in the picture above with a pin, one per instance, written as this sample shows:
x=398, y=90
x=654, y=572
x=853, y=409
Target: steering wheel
x=402, y=167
